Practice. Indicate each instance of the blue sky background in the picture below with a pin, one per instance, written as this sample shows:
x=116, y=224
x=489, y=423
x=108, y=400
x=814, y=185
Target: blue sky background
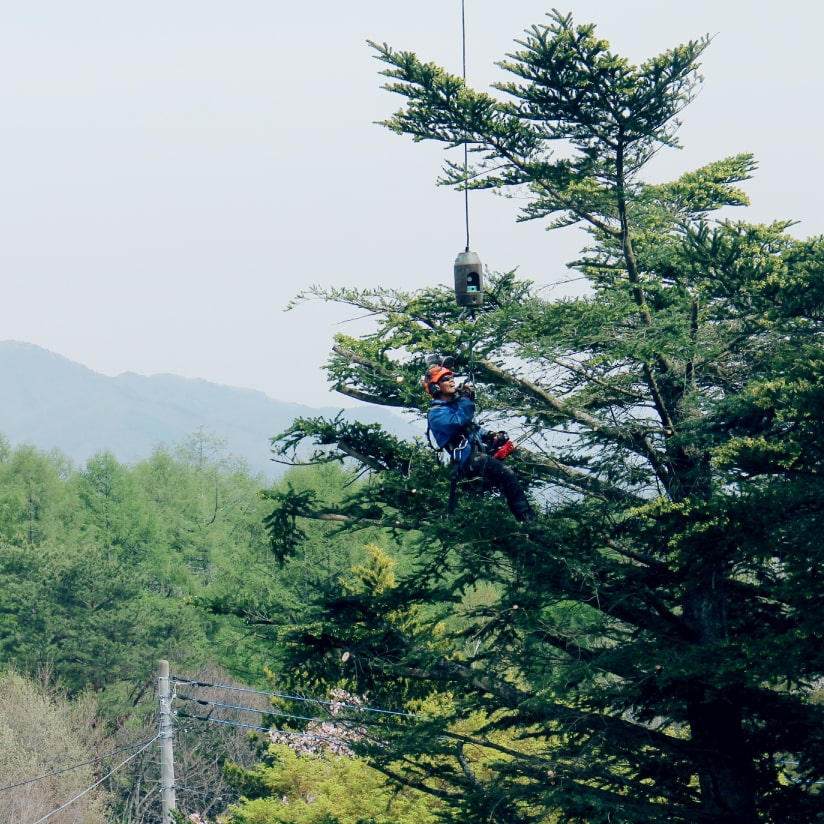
x=174, y=172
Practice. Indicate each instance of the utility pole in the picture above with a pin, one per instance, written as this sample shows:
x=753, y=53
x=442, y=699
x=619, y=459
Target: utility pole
x=165, y=734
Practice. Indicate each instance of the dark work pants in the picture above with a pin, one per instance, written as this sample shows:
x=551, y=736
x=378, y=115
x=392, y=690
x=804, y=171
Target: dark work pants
x=495, y=473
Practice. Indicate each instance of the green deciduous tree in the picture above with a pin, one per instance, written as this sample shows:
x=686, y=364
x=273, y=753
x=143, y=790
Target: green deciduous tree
x=312, y=777
x=650, y=650
x=93, y=578
x=99, y=566
x=30, y=495
x=323, y=789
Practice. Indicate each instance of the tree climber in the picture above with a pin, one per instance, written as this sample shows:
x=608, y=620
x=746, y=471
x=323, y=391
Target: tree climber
x=451, y=422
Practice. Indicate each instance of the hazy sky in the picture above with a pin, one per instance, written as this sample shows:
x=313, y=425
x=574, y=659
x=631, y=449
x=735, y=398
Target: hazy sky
x=173, y=172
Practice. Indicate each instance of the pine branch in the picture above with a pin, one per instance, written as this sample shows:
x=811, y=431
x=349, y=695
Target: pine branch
x=338, y=518
x=359, y=456
x=376, y=400
x=628, y=439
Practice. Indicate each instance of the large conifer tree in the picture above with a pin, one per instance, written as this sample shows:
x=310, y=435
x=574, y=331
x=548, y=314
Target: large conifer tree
x=650, y=651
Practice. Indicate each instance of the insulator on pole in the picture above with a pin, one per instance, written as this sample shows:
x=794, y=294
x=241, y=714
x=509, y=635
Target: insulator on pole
x=469, y=286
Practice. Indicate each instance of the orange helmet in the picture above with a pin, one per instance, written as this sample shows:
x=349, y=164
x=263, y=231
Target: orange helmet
x=433, y=376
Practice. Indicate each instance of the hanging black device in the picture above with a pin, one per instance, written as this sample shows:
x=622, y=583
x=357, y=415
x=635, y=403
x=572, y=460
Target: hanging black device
x=469, y=287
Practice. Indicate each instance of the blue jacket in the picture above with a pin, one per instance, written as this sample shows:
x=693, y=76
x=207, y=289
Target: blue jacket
x=450, y=423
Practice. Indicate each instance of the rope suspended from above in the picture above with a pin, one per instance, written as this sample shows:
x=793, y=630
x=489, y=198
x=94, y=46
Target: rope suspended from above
x=468, y=267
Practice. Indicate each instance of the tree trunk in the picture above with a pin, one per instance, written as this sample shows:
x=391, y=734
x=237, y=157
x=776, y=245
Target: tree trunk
x=723, y=764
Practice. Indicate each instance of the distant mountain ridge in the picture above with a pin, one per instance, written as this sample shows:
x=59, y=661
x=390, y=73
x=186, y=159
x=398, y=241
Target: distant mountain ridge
x=52, y=402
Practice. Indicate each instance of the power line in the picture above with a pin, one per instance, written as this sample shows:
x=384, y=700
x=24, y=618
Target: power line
x=74, y=767
x=797, y=780
x=242, y=708
x=96, y=783
x=360, y=728
x=346, y=723
x=293, y=733
x=301, y=698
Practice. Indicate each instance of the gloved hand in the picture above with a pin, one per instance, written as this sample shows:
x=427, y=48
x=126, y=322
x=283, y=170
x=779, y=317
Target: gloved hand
x=493, y=441
x=467, y=391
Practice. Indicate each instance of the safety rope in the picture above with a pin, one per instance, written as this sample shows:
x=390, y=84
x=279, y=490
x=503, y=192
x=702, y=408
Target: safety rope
x=466, y=142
